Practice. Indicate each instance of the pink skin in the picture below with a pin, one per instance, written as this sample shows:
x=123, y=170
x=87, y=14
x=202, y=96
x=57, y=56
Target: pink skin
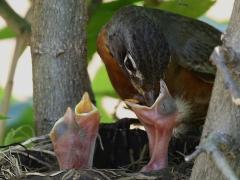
x=159, y=125
x=73, y=139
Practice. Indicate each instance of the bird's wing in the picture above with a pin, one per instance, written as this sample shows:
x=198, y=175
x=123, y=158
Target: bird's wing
x=191, y=43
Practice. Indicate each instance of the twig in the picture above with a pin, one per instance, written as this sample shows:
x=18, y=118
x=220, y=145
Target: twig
x=19, y=146
x=100, y=141
x=51, y=153
x=14, y=164
x=100, y=173
x=228, y=63
x=36, y=174
x=20, y=46
x=35, y=139
x=131, y=157
x=212, y=146
x=32, y=157
x=115, y=110
x=139, y=160
x=14, y=21
x=192, y=156
x=21, y=43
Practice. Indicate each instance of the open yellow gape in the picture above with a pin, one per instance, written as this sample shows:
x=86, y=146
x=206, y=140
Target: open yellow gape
x=74, y=135
x=85, y=105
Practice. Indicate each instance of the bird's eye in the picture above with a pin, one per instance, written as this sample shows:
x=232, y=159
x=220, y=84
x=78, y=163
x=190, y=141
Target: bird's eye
x=129, y=64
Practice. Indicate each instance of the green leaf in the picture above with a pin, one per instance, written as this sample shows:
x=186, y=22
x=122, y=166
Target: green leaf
x=102, y=87
x=101, y=83
x=105, y=117
x=102, y=13
x=1, y=93
x=19, y=134
x=6, y=32
x=25, y=122
x=25, y=118
x=3, y=117
x=190, y=8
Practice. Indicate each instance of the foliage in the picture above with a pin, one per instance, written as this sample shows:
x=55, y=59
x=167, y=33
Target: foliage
x=19, y=134
x=190, y=8
x=2, y=117
x=22, y=128
x=6, y=32
x=102, y=87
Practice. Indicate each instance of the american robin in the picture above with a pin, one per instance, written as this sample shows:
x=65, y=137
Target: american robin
x=141, y=46
x=74, y=135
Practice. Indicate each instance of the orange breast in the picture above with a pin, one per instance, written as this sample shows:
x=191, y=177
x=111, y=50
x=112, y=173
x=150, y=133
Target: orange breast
x=119, y=80
x=187, y=85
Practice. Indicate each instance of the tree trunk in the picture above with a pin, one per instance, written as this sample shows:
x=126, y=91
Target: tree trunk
x=58, y=48
x=223, y=114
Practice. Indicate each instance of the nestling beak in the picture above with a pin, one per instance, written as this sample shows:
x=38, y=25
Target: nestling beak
x=159, y=121
x=74, y=135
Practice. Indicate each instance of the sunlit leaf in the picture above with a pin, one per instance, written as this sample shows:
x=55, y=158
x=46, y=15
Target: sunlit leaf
x=1, y=93
x=19, y=134
x=27, y=117
x=190, y=8
x=105, y=117
x=24, y=117
x=102, y=87
x=101, y=83
x=6, y=32
x=2, y=117
x=101, y=14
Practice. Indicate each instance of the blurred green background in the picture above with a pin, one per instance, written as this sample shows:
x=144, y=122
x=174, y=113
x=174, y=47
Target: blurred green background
x=19, y=122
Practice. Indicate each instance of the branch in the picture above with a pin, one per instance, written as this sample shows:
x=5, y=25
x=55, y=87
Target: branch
x=13, y=20
x=21, y=43
x=212, y=146
x=19, y=48
x=228, y=64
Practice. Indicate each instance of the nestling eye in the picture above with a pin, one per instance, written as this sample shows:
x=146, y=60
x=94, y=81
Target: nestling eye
x=130, y=65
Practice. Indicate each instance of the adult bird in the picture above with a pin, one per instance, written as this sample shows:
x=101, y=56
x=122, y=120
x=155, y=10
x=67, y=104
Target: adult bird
x=141, y=46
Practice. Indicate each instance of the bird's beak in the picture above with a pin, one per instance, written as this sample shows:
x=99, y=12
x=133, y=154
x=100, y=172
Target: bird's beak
x=159, y=121
x=149, y=97
x=87, y=115
x=163, y=94
x=74, y=135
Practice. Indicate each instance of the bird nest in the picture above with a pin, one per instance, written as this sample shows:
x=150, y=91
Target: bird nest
x=120, y=152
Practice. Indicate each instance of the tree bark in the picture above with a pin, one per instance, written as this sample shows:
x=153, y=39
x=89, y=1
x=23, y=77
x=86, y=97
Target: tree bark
x=223, y=115
x=58, y=48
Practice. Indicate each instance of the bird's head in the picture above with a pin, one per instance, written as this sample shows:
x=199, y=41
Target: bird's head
x=74, y=135
x=142, y=53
